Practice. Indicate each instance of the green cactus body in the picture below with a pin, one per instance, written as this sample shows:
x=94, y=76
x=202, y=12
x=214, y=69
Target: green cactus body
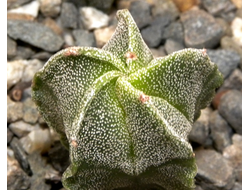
x=124, y=115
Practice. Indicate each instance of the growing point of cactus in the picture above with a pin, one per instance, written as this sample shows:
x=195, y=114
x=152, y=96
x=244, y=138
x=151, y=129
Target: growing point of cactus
x=123, y=114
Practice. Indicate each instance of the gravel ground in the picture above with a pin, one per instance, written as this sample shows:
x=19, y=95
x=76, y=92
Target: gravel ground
x=37, y=29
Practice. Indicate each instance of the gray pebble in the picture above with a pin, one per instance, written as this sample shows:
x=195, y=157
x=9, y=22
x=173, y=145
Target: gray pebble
x=24, y=52
x=200, y=130
x=234, y=81
x=69, y=15
x=84, y=38
x=140, y=11
x=152, y=36
x=214, y=171
x=200, y=29
x=230, y=108
x=14, y=110
x=34, y=34
x=161, y=7
x=30, y=112
x=11, y=48
x=226, y=60
x=221, y=132
x=21, y=128
x=174, y=31
x=172, y=45
x=20, y=155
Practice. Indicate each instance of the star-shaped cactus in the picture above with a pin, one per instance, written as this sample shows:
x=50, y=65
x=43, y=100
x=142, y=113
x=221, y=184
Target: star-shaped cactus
x=123, y=114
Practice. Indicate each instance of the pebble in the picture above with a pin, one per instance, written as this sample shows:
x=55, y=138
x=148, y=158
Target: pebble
x=225, y=26
x=69, y=15
x=33, y=33
x=38, y=140
x=31, y=67
x=49, y=22
x=174, y=31
x=214, y=171
x=50, y=8
x=42, y=55
x=93, y=18
x=162, y=21
x=215, y=7
x=24, y=52
x=19, y=16
x=236, y=27
x=237, y=3
x=30, y=112
x=226, y=60
x=14, y=110
x=103, y=35
x=152, y=36
x=84, y=38
x=161, y=7
x=237, y=186
x=234, y=81
x=16, y=177
x=11, y=48
x=172, y=45
x=221, y=132
x=200, y=29
x=21, y=128
x=9, y=135
x=158, y=52
x=229, y=43
x=233, y=153
x=140, y=11
x=230, y=108
x=68, y=39
x=31, y=8
x=20, y=155
x=200, y=130
x=14, y=72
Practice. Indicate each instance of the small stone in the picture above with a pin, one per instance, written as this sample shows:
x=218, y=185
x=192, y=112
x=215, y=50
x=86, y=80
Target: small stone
x=226, y=60
x=11, y=48
x=84, y=38
x=200, y=130
x=33, y=33
x=185, y=5
x=140, y=11
x=42, y=55
x=152, y=36
x=93, y=18
x=31, y=67
x=38, y=140
x=14, y=110
x=234, y=81
x=50, y=8
x=30, y=112
x=221, y=132
x=14, y=72
x=172, y=45
x=21, y=128
x=52, y=25
x=214, y=171
x=233, y=153
x=230, y=108
x=160, y=7
x=200, y=29
x=236, y=27
x=103, y=35
x=225, y=25
x=20, y=155
x=69, y=15
x=229, y=43
x=19, y=16
x=161, y=21
x=174, y=31
x=24, y=52
x=16, y=177
x=31, y=8
x=68, y=38
x=215, y=7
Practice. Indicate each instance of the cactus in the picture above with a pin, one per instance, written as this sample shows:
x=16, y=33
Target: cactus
x=123, y=114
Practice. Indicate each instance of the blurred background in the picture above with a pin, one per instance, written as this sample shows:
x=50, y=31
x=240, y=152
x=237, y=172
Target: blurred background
x=36, y=29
